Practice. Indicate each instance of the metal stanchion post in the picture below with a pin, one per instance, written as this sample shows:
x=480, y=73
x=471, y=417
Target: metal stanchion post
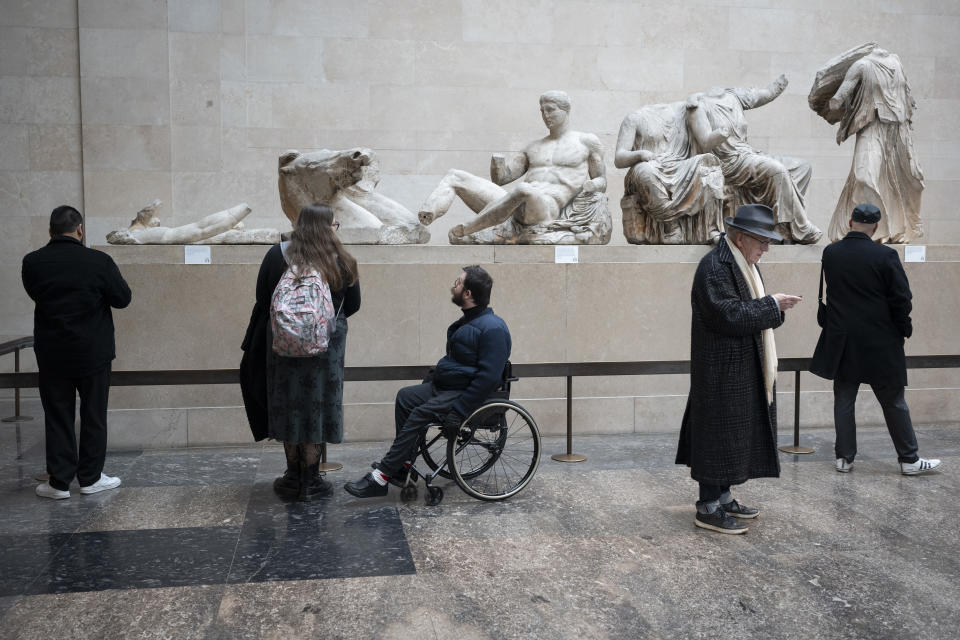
x=16, y=394
x=327, y=466
x=569, y=456
x=796, y=448
x=17, y=418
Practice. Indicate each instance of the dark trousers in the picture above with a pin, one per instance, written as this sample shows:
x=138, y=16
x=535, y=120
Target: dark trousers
x=895, y=413
x=712, y=495
x=417, y=407
x=59, y=398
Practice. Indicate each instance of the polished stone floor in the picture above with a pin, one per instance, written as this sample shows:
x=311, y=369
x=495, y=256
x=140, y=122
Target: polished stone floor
x=195, y=545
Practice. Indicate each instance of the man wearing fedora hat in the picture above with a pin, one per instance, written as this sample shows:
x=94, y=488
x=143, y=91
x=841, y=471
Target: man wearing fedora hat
x=866, y=321
x=729, y=430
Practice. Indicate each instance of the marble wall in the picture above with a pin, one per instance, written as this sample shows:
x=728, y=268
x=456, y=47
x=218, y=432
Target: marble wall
x=110, y=104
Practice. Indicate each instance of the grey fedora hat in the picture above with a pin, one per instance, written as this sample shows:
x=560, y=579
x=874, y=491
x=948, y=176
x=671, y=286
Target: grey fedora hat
x=756, y=219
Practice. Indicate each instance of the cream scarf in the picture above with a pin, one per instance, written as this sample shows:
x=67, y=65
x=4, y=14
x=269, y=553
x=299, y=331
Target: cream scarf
x=752, y=277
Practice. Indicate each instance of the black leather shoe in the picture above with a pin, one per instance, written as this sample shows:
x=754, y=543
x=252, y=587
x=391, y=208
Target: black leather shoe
x=720, y=522
x=366, y=487
x=737, y=510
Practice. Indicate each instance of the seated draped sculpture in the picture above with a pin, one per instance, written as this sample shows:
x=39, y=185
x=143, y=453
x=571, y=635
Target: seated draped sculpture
x=672, y=195
x=558, y=196
x=751, y=176
x=345, y=180
x=866, y=91
x=223, y=227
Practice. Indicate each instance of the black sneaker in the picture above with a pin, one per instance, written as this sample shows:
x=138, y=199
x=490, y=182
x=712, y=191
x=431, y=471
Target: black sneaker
x=366, y=487
x=737, y=510
x=720, y=522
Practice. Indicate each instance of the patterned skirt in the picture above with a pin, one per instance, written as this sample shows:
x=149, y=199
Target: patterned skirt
x=305, y=395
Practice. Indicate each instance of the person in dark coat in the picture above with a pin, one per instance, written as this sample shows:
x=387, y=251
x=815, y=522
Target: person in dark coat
x=729, y=430
x=478, y=347
x=74, y=289
x=866, y=321
x=299, y=401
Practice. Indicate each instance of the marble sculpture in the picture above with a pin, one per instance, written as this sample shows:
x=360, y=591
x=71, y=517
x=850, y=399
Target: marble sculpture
x=345, y=180
x=558, y=195
x=866, y=91
x=223, y=227
x=672, y=194
x=751, y=176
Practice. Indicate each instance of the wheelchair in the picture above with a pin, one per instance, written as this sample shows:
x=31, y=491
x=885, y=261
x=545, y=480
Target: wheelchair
x=493, y=456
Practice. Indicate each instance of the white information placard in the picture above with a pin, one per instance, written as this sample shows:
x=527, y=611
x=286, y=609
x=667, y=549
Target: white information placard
x=196, y=254
x=564, y=253
x=913, y=253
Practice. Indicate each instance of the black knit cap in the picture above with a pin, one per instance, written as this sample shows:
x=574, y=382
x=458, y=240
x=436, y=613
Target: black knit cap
x=866, y=213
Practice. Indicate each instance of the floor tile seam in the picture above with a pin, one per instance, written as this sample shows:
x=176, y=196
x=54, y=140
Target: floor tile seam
x=28, y=587
x=242, y=524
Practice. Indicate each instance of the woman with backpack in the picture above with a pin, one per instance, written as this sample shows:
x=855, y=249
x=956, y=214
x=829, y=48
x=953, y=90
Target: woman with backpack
x=292, y=368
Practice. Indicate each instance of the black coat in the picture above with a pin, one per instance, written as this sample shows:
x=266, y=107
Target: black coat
x=868, y=313
x=74, y=288
x=253, y=364
x=729, y=432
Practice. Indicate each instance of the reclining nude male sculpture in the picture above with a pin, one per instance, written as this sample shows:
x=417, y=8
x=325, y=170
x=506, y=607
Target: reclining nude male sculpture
x=751, y=176
x=866, y=91
x=559, y=196
x=672, y=195
x=223, y=227
x=345, y=180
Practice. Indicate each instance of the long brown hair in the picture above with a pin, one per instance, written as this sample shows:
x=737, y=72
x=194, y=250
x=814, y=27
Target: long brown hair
x=314, y=243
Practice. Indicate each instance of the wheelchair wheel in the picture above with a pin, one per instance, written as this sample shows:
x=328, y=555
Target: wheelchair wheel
x=433, y=448
x=497, y=451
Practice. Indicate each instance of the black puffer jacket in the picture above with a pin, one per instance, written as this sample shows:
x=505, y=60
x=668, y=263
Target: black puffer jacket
x=478, y=347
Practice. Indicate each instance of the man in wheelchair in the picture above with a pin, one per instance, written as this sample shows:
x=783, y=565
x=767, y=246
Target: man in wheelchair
x=478, y=346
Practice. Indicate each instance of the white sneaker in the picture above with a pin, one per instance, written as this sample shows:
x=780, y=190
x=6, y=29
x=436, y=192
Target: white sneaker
x=843, y=466
x=46, y=491
x=922, y=465
x=105, y=482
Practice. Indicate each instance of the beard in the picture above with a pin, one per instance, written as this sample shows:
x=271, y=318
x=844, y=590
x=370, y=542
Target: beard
x=457, y=299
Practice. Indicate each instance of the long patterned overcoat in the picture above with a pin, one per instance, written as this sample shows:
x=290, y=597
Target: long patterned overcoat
x=729, y=432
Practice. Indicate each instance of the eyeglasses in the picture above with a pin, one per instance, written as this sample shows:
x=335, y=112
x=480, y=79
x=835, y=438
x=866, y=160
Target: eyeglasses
x=457, y=282
x=335, y=225
x=764, y=241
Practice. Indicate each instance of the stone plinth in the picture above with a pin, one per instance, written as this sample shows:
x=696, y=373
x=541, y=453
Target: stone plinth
x=619, y=303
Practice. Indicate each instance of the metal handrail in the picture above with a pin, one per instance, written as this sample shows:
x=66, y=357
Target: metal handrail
x=567, y=370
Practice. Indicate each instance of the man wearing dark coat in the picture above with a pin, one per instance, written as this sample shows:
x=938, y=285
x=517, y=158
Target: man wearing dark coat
x=478, y=347
x=729, y=430
x=866, y=321
x=74, y=289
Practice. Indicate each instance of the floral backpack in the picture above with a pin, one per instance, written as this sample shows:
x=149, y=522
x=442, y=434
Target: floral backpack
x=301, y=314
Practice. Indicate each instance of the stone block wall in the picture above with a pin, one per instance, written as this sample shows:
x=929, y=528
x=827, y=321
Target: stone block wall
x=619, y=303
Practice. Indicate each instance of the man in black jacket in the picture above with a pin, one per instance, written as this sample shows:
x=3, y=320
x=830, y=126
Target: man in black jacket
x=478, y=346
x=867, y=320
x=74, y=288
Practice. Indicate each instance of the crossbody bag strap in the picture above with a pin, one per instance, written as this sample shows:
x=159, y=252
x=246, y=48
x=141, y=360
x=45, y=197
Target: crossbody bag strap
x=820, y=292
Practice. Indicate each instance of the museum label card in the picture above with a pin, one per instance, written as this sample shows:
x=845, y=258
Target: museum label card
x=566, y=254
x=196, y=254
x=913, y=253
